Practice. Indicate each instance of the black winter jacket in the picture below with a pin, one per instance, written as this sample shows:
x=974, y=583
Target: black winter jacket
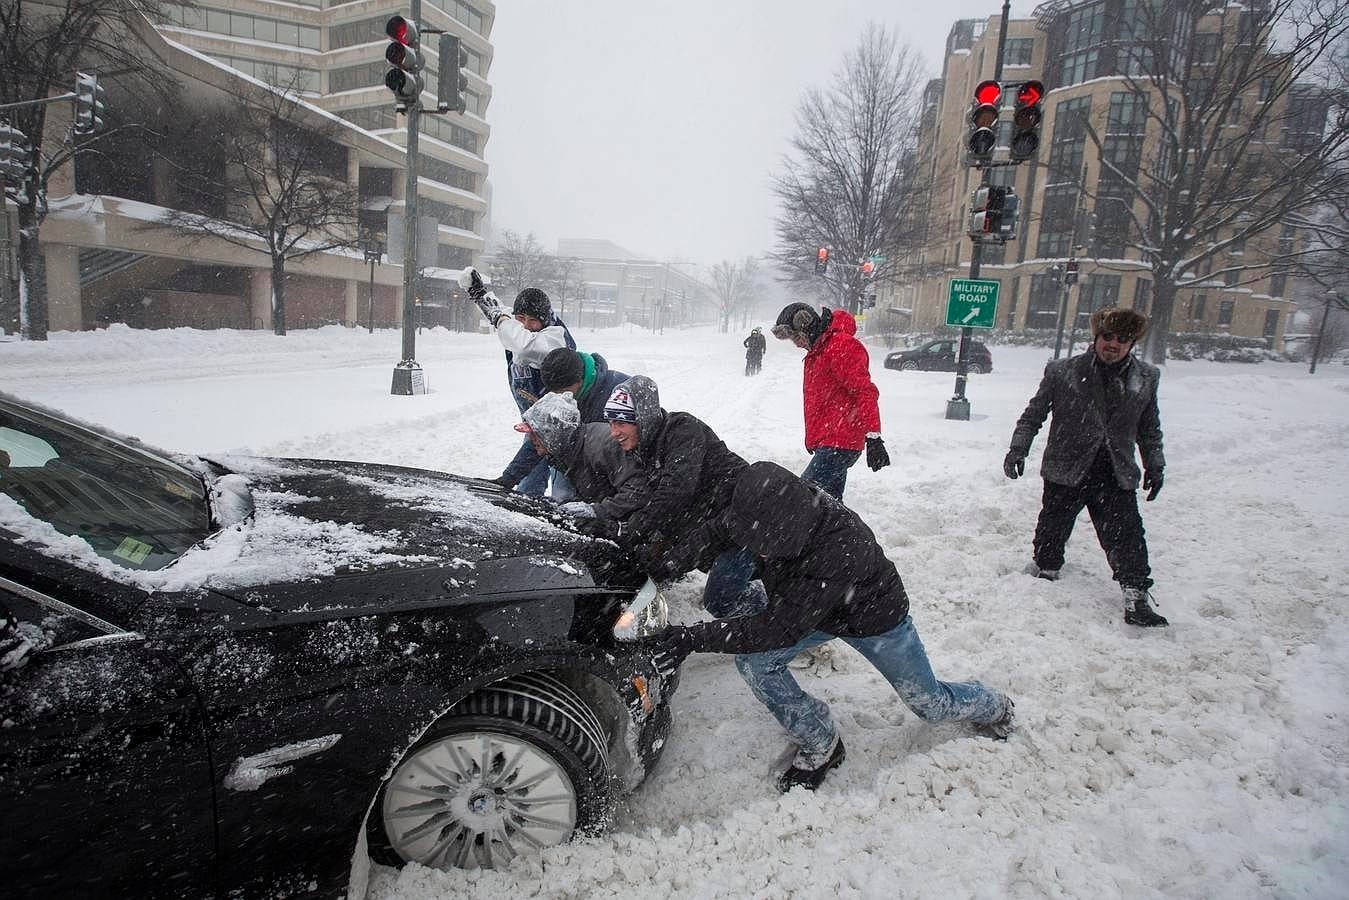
x=1094, y=406
x=820, y=564
x=602, y=474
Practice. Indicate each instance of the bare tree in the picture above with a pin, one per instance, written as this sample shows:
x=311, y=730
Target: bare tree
x=284, y=180
x=42, y=47
x=517, y=262
x=564, y=280
x=1223, y=140
x=733, y=287
x=849, y=178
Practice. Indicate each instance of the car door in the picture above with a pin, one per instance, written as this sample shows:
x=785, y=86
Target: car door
x=940, y=356
x=105, y=785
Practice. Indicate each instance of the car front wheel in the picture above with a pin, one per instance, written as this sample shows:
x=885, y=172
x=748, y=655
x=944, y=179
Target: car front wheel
x=512, y=769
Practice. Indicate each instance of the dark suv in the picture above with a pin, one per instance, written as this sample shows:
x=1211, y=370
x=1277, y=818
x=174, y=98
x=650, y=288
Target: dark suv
x=246, y=678
x=940, y=356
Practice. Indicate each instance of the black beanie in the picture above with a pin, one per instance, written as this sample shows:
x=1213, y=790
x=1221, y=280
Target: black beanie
x=562, y=368
x=534, y=302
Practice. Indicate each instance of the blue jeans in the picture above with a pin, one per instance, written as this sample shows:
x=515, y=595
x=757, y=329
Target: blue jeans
x=829, y=469
x=729, y=592
x=535, y=484
x=897, y=654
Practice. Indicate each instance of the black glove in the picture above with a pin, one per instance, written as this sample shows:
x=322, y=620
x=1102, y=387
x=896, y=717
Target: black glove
x=491, y=308
x=1014, y=464
x=877, y=458
x=1152, y=483
x=471, y=282
x=668, y=649
x=597, y=527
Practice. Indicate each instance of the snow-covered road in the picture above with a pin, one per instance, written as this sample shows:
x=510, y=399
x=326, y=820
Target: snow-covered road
x=1207, y=759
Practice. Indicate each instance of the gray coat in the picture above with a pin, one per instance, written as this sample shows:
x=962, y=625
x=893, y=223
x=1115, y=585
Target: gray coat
x=603, y=475
x=1084, y=420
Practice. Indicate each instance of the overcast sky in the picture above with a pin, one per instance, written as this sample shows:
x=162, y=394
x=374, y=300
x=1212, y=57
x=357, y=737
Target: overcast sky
x=657, y=125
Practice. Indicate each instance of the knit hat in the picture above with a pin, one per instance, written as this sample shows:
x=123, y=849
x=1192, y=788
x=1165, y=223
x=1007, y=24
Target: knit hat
x=620, y=407
x=533, y=302
x=1126, y=324
x=562, y=368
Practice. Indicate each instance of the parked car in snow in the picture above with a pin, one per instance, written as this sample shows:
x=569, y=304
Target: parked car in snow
x=940, y=356
x=248, y=676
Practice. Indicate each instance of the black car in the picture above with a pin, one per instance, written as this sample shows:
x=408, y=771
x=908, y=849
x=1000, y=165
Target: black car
x=940, y=356
x=250, y=676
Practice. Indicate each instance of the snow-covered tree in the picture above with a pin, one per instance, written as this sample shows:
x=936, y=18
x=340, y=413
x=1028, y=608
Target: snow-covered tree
x=516, y=262
x=848, y=181
x=734, y=288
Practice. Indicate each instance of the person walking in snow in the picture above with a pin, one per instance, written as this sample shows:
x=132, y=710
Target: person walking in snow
x=588, y=378
x=690, y=474
x=528, y=333
x=609, y=482
x=826, y=577
x=841, y=412
x=1103, y=402
x=755, y=345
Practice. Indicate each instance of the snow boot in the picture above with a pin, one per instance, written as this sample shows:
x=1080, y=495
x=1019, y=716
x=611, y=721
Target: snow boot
x=1000, y=728
x=1138, y=609
x=1046, y=574
x=808, y=769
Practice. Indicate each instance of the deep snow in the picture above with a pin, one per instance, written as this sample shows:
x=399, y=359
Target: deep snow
x=1206, y=759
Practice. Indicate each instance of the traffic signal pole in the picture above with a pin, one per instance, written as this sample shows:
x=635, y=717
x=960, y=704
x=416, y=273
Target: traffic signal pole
x=958, y=407
x=407, y=375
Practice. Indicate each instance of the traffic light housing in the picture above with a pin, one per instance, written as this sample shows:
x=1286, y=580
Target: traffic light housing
x=822, y=261
x=14, y=154
x=89, y=97
x=993, y=213
x=405, y=55
x=451, y=82
x=982, y=135
x=1026, y=120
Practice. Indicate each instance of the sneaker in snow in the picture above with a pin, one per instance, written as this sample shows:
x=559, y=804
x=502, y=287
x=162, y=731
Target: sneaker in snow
x=808, y=769
x=1046, y=574
x=1001, y=727
x=1138, y=609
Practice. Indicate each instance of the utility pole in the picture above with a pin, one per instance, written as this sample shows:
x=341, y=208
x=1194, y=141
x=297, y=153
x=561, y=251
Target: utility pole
x=1333, y=302
x=958, y=407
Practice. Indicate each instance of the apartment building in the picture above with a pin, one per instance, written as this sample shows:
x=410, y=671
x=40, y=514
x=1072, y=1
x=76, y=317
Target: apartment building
x=1080, y=50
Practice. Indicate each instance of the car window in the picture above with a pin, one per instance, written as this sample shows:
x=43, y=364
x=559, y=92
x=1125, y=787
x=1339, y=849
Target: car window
x=133, y=508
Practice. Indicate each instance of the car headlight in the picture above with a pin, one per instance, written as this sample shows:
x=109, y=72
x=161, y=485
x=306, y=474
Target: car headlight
x=647, y=614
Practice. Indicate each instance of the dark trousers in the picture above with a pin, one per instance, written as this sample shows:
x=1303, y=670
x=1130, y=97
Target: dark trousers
x=1114, y=512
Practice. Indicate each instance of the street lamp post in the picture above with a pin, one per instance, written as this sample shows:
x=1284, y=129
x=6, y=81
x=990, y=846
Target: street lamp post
x=373, y=251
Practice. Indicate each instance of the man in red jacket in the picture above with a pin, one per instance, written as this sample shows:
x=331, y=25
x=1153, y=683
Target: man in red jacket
x=842, y=417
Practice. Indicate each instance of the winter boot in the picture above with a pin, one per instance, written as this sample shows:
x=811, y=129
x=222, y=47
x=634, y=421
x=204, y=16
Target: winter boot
x=1138, y=609
x=1046, y=574
x=1000, y=728
x=808, y=769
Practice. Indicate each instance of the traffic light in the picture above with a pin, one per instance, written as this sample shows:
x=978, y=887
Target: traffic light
x=1011, y=209
x=1026, y=121
x=982, y=135
x=404, y=54
x=988, y=207
x=822, y=261
x=451, y=81
x=14, y=154
x=88, y=103
x=868, y=268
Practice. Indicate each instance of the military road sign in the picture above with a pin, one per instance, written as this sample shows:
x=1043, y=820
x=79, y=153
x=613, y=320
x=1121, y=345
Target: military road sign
x=973, y=303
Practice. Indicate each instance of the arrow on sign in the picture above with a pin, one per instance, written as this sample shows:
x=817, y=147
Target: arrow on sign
x=973, y=314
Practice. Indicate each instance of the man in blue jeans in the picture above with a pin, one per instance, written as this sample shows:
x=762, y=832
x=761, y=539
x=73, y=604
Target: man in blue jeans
x=825, y=577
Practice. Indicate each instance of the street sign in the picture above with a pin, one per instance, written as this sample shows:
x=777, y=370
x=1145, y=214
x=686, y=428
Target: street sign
x=972, y=303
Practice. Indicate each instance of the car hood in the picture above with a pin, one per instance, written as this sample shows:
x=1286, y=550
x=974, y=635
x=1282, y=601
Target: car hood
x=329, y=535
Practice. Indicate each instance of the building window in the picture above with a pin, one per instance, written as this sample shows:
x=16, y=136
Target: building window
x=1271, y=323
x=1277, y=285
x=1069, y=139
x=1043, y=308
x=448, y=257
x=1128, y=113
x=1142, y=295
x=1197, y=307
x=445, y=214
x=1098, y=292
x=1019, y=51
x=1056, y=221
x=1206, y=45
x=1225, y=309
x=1081, y=45
x=1231, y=277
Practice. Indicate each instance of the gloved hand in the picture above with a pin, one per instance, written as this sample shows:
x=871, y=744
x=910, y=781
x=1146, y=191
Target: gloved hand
x=668, y=649
x=491, y=308
x=1152, y=483
x=609, y=529
x=578, y=509
x=1014, y=464
x=470, y=281
x=877, y=458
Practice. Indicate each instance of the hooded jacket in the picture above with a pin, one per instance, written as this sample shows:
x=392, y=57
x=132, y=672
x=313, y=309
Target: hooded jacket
x=1094, y=407
x=820, y=564
x=690, y=472
x=601, y=473
x=840, y=399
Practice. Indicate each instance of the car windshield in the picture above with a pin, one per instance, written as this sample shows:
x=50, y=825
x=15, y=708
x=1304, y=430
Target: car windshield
x=134, y=508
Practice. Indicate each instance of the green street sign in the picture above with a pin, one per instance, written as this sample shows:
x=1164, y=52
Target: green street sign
x=972, y=303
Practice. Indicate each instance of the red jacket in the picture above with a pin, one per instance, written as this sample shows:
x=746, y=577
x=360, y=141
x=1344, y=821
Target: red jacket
x=840, y=398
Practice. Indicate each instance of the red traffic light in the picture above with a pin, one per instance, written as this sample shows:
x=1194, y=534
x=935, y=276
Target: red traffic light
x=1030, y=93
x=868, y=267
x=401, y=30
x=988, y=92
x=823, y=254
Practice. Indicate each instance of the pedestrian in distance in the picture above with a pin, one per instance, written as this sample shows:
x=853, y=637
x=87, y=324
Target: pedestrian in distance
x=826, y=577
x=755, y=345
x=528, y=333
x=609, y=483
x=588, y=378
x=840, y=400
x=690, y=474
x=1103, y=403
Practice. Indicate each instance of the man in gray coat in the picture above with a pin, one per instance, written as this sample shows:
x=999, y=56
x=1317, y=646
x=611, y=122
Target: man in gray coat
x=1103, y=403
x=610, y=483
